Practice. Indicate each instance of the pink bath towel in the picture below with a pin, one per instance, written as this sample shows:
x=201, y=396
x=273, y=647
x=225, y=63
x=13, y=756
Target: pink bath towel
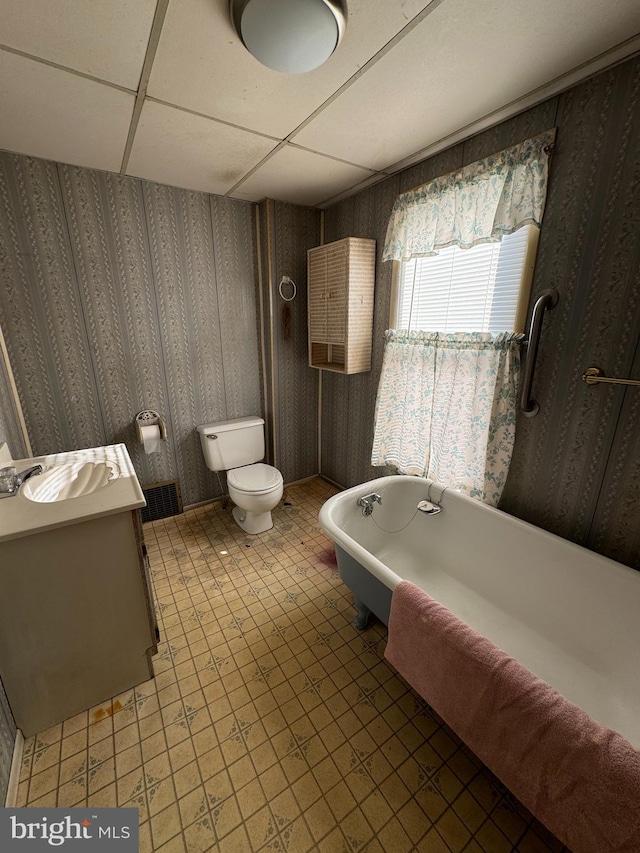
x=581, y=779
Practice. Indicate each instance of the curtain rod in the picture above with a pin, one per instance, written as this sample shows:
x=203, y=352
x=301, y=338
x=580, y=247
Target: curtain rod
x=547, y=149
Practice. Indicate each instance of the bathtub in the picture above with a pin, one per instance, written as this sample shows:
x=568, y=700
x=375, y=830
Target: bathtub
x=570, y=616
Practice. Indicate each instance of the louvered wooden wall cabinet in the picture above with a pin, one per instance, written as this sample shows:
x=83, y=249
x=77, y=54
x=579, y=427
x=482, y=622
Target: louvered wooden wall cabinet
x=340, y=279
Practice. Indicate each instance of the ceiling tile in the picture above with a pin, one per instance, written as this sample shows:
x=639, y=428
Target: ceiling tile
x=202, y=65
x=301, y=177
x=104, y=39
x=185, y=150
x=459, y=64
x=58, y=115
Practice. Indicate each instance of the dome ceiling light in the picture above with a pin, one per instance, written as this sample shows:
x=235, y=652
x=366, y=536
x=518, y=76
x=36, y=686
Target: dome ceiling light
x=291, y=36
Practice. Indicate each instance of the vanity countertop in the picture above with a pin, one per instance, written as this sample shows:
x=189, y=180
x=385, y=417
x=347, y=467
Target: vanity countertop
x=20, y=516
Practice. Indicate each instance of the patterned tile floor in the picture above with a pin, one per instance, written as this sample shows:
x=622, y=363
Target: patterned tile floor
x=272, y=724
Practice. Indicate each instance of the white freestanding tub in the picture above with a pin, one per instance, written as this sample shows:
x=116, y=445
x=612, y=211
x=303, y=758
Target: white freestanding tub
x=570, y=616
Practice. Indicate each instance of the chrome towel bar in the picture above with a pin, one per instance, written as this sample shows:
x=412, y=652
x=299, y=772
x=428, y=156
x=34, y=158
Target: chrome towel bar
x=547, y=299
x=593, y=375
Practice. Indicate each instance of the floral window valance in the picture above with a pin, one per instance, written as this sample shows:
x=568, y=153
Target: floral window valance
x=476, y=204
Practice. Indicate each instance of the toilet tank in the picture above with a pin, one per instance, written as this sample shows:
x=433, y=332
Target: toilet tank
x=230, y=444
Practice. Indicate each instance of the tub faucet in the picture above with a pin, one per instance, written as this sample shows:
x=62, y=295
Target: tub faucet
x=367, y=502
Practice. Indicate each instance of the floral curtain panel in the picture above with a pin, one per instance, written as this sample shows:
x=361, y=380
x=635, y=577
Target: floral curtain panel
x=446, y=408
x=477, y=204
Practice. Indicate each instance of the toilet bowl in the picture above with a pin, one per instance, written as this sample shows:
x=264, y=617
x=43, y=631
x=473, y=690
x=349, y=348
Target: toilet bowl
x=255, y=491
x=237, y=446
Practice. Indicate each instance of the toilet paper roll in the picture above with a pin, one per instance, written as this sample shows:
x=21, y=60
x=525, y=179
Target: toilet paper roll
x=151, y=438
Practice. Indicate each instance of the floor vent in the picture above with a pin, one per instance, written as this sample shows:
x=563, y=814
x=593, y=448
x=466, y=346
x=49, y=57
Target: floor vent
x=163, y=500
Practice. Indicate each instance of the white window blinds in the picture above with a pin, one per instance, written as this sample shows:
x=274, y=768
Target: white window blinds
x=464, y=290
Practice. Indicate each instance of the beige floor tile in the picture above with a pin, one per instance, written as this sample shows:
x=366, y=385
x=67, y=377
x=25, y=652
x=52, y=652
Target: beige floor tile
x=261, y=828
x=187, y=778
x=320, y=819
x=101, y=775
x=75, y=724
x=48, y=801
x=126, y=737
x=153, y=745
x=165, y=825
x=74, y=743
x=106, y=797
x=73, y=792
x=130, y=786
x=46, y=757
x=193, y=806
x=296, y=837
x=356, y=828
x=226, y=817
x=100, y=729
x=376, y=810
x=236, y=842
x=44, y=782
x=335, y=842
x=176, y=845
x=469, y=811
x=160, y=795
x=100, y=751
x=491, y=839
x=200, y=837
x=22, y=794
x=48, y=737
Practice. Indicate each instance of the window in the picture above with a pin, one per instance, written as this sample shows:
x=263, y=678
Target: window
x=482, y=289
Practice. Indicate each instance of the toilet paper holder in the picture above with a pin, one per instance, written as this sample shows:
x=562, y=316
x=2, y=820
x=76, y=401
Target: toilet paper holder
x=149, y=417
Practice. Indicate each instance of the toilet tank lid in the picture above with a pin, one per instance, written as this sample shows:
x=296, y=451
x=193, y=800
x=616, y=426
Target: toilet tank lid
x=234, y=423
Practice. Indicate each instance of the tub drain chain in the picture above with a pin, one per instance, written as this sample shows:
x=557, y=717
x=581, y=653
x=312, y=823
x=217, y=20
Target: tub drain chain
x=400, y=529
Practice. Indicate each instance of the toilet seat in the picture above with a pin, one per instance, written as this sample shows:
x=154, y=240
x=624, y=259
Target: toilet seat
x=255, y=479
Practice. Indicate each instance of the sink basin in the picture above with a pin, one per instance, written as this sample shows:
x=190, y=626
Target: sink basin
x=70, y=480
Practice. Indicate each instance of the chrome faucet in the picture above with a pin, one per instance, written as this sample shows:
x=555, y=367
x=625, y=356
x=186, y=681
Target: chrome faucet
x=28, y=472
x=367, y=502
x=19, y=479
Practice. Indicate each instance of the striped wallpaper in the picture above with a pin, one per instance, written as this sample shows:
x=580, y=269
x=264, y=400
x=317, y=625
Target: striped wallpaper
x=120, y=295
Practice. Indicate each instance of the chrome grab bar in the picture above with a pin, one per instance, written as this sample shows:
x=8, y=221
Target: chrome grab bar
x=547, y=299
x=593, y=375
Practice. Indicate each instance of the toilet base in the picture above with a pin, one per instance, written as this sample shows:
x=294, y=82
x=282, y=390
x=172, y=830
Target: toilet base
x=252, y=522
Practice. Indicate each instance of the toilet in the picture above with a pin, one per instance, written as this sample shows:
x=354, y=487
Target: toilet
x=237, y=446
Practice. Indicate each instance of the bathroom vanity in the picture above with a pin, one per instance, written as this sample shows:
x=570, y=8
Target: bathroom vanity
x=77, y=623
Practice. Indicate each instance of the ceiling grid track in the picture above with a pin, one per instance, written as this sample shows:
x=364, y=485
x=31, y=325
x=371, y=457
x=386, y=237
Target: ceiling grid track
x=66, y=68
x=150, y=55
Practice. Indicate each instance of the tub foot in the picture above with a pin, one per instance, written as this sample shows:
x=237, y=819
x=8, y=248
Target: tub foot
x=362, y=619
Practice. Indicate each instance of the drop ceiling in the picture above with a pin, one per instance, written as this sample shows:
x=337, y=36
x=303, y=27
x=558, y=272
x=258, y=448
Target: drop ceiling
x=164, y=89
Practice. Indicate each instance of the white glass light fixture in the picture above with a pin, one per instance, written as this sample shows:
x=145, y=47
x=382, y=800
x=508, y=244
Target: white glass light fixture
x=291, y=36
